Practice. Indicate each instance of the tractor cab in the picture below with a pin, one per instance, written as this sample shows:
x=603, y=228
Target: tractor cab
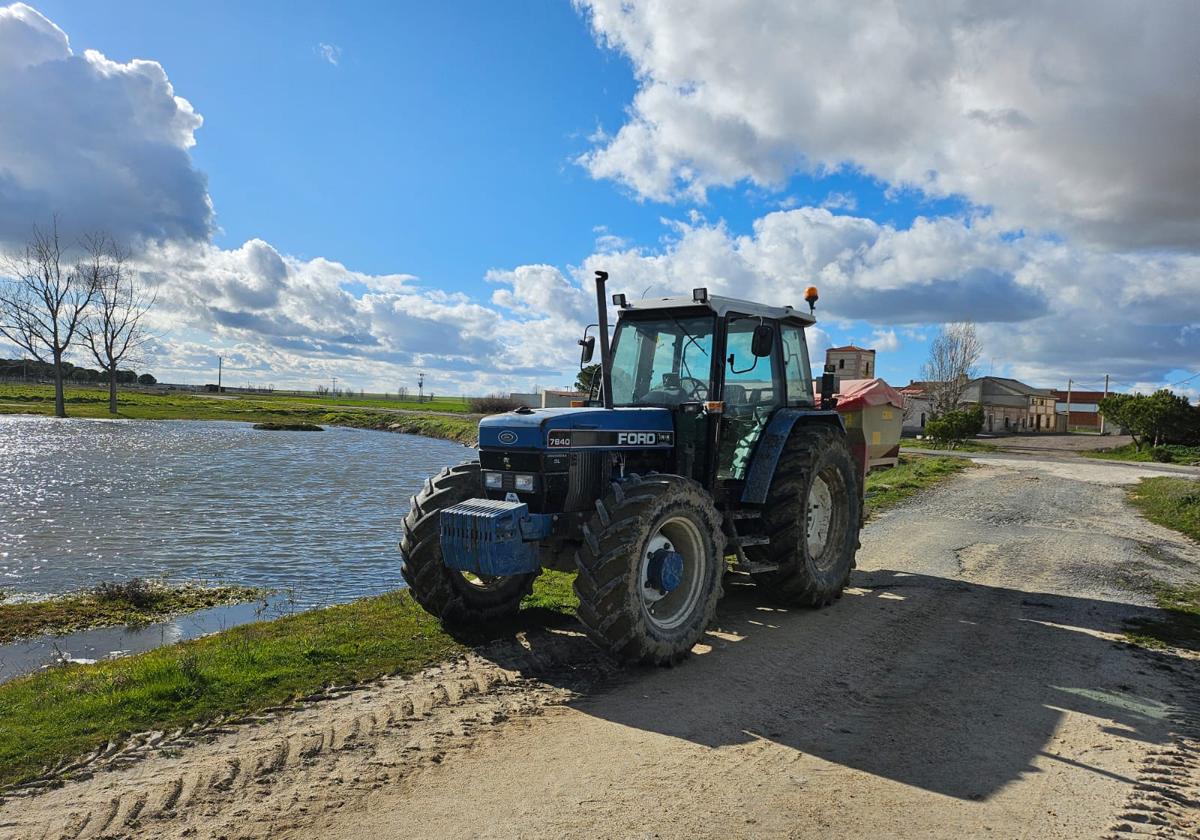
x=722, y=366
x=701, y=450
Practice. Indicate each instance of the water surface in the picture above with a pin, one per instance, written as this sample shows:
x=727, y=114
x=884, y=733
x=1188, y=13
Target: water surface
x=318, y=513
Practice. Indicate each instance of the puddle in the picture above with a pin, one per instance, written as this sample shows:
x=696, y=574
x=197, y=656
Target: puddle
x=28, y=655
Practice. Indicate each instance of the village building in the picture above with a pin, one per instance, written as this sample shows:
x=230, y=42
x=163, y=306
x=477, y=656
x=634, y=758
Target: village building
x=1084, y=408
x=851, y=362
x=918, y=407
x=1009, y=405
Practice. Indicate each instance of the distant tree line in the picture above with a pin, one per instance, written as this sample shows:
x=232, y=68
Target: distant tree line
x=54, y=294
x=44, y=372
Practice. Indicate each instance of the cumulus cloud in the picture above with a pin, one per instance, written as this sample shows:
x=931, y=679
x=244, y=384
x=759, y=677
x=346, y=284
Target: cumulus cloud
x=885, y=341
x=101, y=143
x=1046, y=308
x=1076, y=119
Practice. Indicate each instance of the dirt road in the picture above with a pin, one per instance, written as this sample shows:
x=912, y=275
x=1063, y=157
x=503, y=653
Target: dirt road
x=970, y=684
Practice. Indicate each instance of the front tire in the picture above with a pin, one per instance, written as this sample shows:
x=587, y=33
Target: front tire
x=812, y=517
x=650, y=568
x=455, y=597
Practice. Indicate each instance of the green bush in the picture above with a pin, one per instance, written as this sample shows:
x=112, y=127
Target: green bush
x=953, y=427
x=1161, y=454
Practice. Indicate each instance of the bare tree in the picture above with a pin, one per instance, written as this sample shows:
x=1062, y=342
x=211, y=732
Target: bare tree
x=953, y=359
x=43, y=301
x=114, y=328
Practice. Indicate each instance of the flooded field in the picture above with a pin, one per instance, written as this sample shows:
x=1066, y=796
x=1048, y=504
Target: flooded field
x=314, y=514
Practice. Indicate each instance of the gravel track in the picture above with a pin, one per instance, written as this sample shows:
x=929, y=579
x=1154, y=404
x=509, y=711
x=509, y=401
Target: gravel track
x=972, y=683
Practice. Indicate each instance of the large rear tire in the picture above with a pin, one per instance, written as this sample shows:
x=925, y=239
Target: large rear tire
x=457, y=598
x=636, y=600
x=812, y=517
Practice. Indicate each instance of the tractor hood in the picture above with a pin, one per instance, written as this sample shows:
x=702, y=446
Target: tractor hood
x=578, y=428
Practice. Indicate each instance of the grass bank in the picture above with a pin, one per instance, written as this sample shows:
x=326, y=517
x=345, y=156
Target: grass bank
x=112, y=604
x=1179, y=625
x=1169, y=454
x=72, y=710
x=964, y=446
x=887, y=488
x=442, y=419
x=1173, y=503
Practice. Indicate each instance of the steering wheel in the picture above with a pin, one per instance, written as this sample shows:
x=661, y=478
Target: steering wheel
x=694, y=390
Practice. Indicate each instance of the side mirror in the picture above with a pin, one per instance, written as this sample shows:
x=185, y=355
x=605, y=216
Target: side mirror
x=764, y=340
x=589, y=349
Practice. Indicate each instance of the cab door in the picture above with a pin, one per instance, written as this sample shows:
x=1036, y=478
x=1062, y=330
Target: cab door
x=752, y=388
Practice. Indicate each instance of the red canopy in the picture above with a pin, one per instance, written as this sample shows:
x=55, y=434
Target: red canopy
x=857, y=394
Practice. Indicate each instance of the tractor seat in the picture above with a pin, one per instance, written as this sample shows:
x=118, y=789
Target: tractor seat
x=734, y=394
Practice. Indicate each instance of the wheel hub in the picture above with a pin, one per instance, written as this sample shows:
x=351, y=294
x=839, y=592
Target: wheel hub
x=820, y=516
x=664, y=570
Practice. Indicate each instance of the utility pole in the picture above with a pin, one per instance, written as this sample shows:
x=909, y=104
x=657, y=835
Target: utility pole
x=421, y=387
x=1105, y=394
x=1068, y=405
x=334, y=391
x=220, y=365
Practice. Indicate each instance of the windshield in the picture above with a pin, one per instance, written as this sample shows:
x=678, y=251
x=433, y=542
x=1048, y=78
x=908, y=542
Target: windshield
x=664, y=360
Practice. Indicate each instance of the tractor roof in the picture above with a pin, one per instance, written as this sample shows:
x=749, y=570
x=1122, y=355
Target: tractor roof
x=723, y=306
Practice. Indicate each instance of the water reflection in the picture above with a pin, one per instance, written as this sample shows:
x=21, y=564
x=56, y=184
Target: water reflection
x=315, y=514
x=83, y=501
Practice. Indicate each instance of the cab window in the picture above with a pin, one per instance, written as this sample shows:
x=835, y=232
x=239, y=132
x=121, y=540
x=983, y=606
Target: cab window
x=753, y=389
x=796, y=366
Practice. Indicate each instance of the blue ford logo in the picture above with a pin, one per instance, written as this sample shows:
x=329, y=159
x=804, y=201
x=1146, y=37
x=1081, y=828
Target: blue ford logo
x=507, y=437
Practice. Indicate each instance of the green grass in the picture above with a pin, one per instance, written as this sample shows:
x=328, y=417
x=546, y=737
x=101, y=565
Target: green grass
x=69, y=711
x=132, y=602
x=1179, y=625
x=887, y=488
x=1171, y=453
x=964, y=446
x=1172, y=502
x=251, y=408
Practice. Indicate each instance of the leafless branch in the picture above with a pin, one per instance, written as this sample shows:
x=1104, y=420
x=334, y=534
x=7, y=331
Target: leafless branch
x=114, y=328
x=953, y=359
x=43, y=301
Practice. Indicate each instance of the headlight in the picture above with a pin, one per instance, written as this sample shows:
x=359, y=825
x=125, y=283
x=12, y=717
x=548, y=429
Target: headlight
x=493, y=480
x=523, y=482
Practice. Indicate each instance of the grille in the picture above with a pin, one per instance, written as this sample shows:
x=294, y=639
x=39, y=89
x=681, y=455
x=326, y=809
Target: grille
x=590, y=471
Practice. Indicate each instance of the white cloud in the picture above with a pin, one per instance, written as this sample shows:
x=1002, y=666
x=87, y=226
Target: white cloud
x=1047, y=309
x=103, y=144
x=331, y=53
x=885, y=341
x=840, y=201
x=1060, y=119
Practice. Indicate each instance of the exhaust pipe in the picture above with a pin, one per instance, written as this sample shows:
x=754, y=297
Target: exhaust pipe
x=602, y=322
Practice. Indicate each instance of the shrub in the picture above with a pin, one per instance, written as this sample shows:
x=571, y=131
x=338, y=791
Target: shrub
x=1162, y=454
x=493, y=404
x=136, y=592
x=953, y=427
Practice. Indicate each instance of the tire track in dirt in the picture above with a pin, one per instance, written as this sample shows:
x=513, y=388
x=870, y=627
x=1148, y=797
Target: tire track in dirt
x=295, y=762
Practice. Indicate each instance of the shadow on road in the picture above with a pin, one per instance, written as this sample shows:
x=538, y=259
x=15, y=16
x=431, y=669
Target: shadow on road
x=950, y=686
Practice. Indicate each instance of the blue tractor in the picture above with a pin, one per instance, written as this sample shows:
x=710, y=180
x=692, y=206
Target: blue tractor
x=701, y=451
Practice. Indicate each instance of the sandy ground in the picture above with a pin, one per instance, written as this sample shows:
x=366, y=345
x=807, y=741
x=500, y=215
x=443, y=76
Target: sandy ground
x=971, y=684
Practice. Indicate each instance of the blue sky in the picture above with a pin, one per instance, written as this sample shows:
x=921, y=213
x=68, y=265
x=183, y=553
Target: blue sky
x=447, y=141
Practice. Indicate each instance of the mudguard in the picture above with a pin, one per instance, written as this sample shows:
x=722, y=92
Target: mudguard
x=770, y=447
